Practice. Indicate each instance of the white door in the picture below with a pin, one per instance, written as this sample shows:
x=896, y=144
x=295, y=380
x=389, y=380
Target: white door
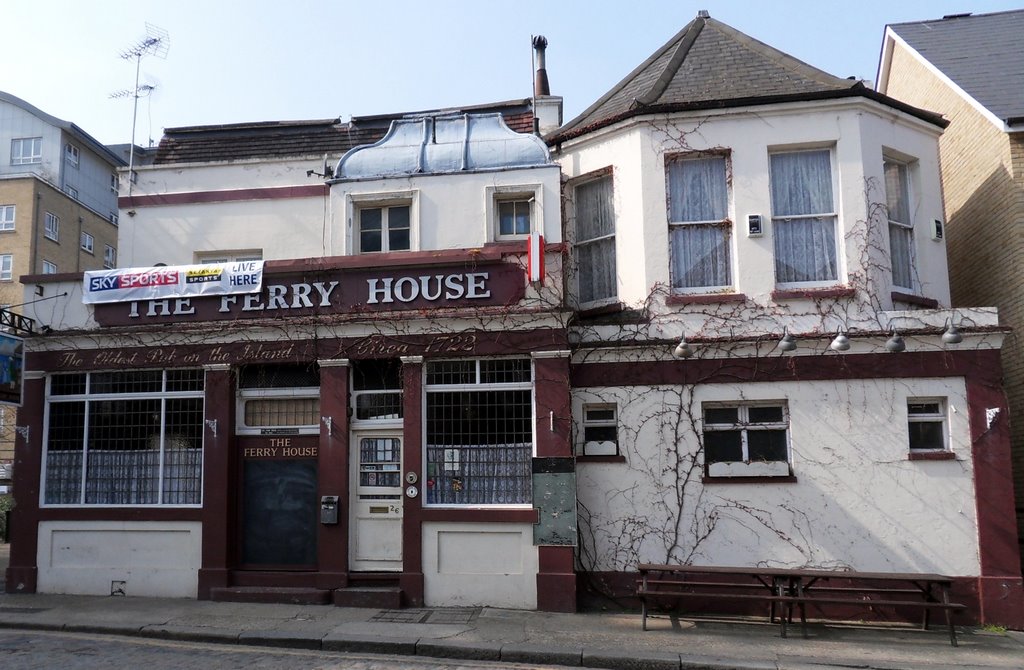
x=376, y=505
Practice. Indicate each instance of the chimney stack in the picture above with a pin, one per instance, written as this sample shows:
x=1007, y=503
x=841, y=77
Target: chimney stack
x=547, y=108
x=540, y=78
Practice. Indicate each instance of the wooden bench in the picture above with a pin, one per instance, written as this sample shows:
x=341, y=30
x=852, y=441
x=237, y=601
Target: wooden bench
x=797, y=588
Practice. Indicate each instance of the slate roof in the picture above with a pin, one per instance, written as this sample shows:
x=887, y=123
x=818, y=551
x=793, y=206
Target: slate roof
x=983, y=54
x=310, y=138
x=710, y=65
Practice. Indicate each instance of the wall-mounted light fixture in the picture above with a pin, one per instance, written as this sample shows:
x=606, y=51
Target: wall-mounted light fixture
x=952, y=334
x=841, y=342
x=895, y=343
x=788, y=342
x=683, y=349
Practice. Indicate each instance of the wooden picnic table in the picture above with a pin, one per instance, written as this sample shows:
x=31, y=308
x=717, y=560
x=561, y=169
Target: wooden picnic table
x=797, y=587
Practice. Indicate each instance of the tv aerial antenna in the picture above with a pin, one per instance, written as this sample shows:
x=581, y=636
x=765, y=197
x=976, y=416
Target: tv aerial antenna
x=155, y=43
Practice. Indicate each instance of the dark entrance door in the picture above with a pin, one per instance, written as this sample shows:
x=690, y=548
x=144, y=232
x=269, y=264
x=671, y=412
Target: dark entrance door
x=279, y=506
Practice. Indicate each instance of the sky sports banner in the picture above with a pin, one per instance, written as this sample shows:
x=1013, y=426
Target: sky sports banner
x=172, y=281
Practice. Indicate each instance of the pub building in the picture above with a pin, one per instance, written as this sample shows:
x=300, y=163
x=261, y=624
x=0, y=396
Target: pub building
x=386, y=423
x=706, y=322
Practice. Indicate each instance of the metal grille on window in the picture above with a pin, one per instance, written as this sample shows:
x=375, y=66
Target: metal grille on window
x=479, y=447
x=132, y=445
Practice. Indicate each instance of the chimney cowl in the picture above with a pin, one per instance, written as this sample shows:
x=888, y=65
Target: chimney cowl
x=541, y=87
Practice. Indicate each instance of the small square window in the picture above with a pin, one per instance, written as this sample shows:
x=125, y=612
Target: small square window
x=926, y=424
x=514, y=217
x=600, y=430
x=383, y=229
x=49, y=268
x=112, y=218
x=71, y=154
x=51, y=227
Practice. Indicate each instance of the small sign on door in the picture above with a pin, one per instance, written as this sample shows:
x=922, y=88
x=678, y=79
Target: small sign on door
x=451, y=460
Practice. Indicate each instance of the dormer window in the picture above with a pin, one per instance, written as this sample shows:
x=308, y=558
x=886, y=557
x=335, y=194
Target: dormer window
x=514, y=211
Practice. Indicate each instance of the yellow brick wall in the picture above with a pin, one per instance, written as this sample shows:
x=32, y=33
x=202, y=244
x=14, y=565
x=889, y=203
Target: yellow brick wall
x=983, y=188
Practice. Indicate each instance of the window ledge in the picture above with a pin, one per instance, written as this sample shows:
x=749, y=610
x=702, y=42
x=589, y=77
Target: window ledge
x=916, y=300
x=704, y=298
x=601, y=310
x=931, y=456
x=788, y=479
x=814, y=293
x=619, y=458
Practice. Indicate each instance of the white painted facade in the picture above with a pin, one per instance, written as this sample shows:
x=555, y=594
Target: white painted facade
x=857, y=503
x=857, y=132
x=98, y=558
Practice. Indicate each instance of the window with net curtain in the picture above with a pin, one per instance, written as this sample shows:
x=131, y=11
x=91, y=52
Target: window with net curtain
x=803, y=217
x=595, y=240
x=699, y=227
x=901, y=229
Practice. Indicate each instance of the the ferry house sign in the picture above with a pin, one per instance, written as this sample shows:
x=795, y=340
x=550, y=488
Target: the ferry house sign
x=335, y=292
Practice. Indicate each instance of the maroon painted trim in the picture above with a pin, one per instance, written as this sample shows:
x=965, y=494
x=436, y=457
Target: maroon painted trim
x=477, y=515
x=220, y=485
x=788, y=479
x=22, y=570
x=813, y=293
x=556, y=579
x=234, y=195
x=553, y=422
x=411, y=579
x=1000, y=586
x=931, y=456
x=920, y=301
x=601, y=459
x=333, y=476
x=704, y=298
x=120, y=514
x=396, y=259
x=442, y=345
x=982, y=365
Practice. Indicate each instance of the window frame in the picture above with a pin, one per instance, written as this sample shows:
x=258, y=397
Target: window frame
x=725, y=470
x=837, y=249
x=115, y=182
x=49, y=267
x=113, y=219
x=87, y=247
x=577, y=243
x=357, y=202
x=724, y=225
x=109, y=257
x=599, y=447
x=51, y=227
x=909, y=262
x=72, y=155
x=35, y=154
x=8, y=217
x=86, y=397
x=6, y=267
x=940, y=417
x=494, y=196
x=476, y=386
x=71, y=191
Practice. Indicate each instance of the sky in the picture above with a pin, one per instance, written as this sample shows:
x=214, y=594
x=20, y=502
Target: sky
x=231, y=61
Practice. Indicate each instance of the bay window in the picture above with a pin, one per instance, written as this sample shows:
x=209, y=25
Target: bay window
x=804, y=218
x=699, y=226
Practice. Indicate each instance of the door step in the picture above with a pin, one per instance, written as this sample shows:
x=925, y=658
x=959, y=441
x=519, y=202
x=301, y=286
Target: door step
x=378, y=597
x=271, y=594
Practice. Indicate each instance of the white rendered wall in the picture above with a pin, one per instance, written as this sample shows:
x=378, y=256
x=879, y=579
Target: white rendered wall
x=450, y=211
x=157, y=559
x=858, y=502
x=856, y=130
x=479, y=565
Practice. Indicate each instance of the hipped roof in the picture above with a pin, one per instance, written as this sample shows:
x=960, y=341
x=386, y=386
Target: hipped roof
x=710, y=65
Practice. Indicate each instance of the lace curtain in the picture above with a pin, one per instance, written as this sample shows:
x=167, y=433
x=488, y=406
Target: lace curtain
x=699, y=226
x=595, y=240
x=124, y=477
x=479, y=474
x=804, y=223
